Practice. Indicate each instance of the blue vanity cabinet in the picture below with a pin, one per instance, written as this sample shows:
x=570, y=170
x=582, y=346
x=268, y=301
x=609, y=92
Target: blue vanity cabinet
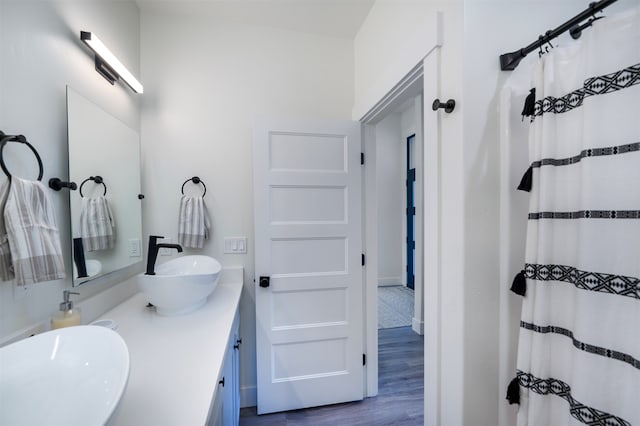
x=225, y=407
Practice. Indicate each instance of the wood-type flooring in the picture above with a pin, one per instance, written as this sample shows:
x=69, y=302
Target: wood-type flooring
x=400, y=393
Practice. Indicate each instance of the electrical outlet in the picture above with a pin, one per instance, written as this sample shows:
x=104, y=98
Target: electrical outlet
x=134, y=247
x=166, y=251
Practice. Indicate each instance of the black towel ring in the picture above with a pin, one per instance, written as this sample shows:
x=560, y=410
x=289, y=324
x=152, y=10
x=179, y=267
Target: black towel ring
x=195, y=180
x=98, y=180
x=20, y=139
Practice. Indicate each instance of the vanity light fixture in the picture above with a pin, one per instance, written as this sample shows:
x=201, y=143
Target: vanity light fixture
x=107, y=64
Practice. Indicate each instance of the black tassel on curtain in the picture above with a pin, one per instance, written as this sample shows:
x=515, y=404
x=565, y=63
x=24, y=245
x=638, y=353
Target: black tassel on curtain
x=529, y=104
x=513, y=392
x=525, y=182
x=519, y=285
x=528, y=111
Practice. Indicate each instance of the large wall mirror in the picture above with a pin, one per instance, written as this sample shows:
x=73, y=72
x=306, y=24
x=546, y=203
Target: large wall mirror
x=106, y=217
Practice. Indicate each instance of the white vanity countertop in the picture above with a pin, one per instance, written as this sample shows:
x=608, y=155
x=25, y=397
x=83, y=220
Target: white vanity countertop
x=175, y=361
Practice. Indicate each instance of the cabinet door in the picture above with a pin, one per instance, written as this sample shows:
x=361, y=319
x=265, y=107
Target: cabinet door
x=235, y=383
x=231, y=410
x=216, y=411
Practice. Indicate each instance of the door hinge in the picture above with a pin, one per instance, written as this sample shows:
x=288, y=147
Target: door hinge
x=362, y=259
x=362, y=158
x=364, y=359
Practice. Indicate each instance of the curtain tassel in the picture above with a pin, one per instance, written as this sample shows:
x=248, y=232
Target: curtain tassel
x=529, y=104
x=526, y=181
x=513, y=392
x=519, y=285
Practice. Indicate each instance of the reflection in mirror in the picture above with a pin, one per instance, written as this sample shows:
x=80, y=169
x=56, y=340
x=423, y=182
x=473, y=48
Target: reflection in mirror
x=104, y=160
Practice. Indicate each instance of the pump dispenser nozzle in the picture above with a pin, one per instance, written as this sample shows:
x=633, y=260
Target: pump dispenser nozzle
x=67, y=304
x=67, y=316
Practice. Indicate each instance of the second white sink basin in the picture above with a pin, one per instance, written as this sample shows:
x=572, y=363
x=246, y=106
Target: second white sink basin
x=71, y=376
x=180, y=285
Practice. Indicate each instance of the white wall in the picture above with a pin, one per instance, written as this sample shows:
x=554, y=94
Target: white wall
x=205, y=81
x=389, y=176
x=41, y=53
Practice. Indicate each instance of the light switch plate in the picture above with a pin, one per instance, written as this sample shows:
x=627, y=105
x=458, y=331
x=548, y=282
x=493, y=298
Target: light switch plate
x=134, y=247
x=235, y=245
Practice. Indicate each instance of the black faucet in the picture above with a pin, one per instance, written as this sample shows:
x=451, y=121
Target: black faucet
x=152, y=253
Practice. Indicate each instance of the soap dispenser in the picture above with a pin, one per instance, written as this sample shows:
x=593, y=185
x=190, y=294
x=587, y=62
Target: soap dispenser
x=67, y=316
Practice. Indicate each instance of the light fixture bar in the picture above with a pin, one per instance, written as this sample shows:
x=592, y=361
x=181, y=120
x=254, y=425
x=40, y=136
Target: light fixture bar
x=107, y=64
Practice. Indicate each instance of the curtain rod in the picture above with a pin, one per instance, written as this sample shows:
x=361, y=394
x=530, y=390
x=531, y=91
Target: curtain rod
x=509, y=61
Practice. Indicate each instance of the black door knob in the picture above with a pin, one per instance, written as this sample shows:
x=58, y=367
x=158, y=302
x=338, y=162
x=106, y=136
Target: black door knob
x=264, y=282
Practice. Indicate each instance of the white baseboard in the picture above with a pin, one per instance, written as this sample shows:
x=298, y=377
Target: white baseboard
x=248, y=396
x=383, y=281
x=417, y=326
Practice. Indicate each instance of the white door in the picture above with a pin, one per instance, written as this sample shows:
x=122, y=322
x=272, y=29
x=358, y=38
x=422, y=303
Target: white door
x=309, y=320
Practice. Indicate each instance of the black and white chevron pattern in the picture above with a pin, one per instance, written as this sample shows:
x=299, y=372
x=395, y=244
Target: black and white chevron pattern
x=585, y=414
x=593, y=86
x=588, y=153
x=586, y=347
x=585, y=280
x=587, y=214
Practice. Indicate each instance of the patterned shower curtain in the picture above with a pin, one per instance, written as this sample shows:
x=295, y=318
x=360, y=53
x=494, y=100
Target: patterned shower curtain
x=579, y=345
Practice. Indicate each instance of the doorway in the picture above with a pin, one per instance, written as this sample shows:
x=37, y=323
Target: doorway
x=422, y=79
x=396, y=167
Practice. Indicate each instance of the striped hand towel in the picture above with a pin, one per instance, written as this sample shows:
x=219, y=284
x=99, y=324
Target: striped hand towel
x=97, y=227
x=194, y=225
x=6, y=268
x=34, y=238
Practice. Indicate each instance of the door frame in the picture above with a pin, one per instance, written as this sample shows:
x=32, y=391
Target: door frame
x=424, y=76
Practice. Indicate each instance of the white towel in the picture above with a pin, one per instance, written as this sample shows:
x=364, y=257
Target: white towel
x=194, y=225
x=32, y=232
x=97, y=227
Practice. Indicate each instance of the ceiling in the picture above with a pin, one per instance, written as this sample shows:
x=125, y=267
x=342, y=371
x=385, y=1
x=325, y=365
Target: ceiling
x=334, y=18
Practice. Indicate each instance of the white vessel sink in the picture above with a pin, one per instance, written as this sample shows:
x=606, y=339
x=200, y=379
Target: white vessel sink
x=181, y=285
x=70, y=376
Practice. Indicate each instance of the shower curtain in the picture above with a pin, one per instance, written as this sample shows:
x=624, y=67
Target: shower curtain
x=579, y=340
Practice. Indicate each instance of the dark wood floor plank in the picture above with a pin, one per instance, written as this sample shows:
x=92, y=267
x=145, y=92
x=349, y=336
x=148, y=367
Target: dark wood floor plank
x=400, y=399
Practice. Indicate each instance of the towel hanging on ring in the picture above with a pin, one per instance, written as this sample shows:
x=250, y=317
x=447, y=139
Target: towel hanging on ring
x=194, y=225
x=193, y=221
x=32, y=233
x=97, y=227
